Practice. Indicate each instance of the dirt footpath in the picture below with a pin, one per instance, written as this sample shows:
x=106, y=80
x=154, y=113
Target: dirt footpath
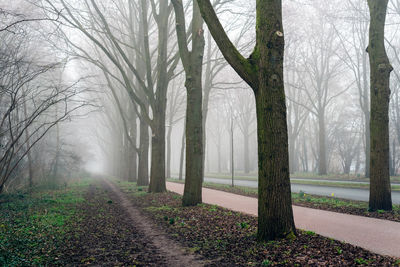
x=110, y=231
x=173, y=253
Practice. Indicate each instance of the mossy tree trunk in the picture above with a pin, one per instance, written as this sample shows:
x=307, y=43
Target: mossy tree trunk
x=192, y=62
x=380, y=191
x=263, y=71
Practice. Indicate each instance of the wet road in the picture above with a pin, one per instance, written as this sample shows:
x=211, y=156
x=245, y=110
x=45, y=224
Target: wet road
x=339, y=192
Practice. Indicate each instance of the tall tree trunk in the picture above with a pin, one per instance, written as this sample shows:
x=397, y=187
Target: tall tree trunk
x=219, y=155
x=305, y=153
x=143, y=68
x=157, y=169
x=393, y=159
x=206, y=94
x=207, y=157
x=169, y=133
x=380, y=191
x=126, y=158
x=366, y=117
x=322, y=166
x=292, y=155
x=246, y=137
x=263, y=71
x=232, y=154
x=358, y=156
x=132, y=153
x=367, y=145
x=181, y=158
x=347, y=165
x=143, y=167
x=275, y=215
x=193, y=66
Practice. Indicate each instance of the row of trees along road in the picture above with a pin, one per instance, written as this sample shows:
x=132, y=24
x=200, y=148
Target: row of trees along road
x=263, y=71
x=134, y=49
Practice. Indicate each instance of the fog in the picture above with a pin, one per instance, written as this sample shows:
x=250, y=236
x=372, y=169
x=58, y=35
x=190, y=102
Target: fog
x=104, y=89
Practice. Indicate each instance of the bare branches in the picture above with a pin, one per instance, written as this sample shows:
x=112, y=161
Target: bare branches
x=25, y=20
x=241, y=65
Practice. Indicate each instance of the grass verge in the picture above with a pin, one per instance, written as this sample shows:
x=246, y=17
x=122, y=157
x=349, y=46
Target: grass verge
x=304, y=178
x=33, y=226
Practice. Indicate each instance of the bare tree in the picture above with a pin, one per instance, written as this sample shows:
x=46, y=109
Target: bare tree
x=115, y=50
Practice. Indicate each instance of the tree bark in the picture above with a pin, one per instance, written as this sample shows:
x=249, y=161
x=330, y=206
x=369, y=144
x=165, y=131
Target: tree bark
x=393, y=159
x=322, y=166
x=181, y=159
x=193, y=64
x=219, y=154
x=232, y=154
x=305, y=152
x=157, y=169
x=206, y=95
x=292, y=155
x=347, y=165
x=246, y=137
x=357, y=166
x=380, y=191
x=169, y=133
x=263, y=71
x=367, y=121
x=132, y=153
x=274, y=204
x=143, y=166
x=142, y=67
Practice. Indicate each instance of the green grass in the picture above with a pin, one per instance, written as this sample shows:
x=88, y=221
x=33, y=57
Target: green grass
x=333, y=176
x=318, y=183
x=242, y=189
x=339, y=184
x=162, y=208
x=33, y=226
x=229, y=176
x=302, y=197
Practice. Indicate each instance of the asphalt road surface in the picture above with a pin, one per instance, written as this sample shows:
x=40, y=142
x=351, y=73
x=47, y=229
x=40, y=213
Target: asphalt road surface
x=339, y=192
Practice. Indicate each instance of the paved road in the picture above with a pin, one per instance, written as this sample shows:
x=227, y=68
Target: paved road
x=340, y=192
x=379, y=236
